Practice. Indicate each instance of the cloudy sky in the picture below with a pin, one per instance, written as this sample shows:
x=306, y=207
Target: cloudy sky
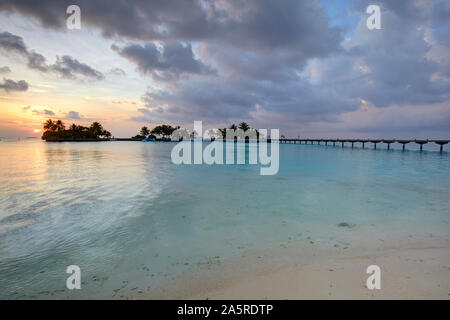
x=310, y=68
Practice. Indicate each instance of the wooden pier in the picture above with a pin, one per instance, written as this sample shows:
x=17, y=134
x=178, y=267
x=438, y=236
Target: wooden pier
x=362, y=142
x=91, y=140
x=342, y=142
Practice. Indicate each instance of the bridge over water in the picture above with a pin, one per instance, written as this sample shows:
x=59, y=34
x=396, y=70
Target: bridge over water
x=363, y=142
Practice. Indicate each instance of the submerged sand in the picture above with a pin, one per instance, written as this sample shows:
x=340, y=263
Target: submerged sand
x=413, y=267
x=416, y=273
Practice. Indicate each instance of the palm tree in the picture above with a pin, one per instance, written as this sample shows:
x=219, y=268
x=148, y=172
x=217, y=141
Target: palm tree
x=157, y=131
x=106, y=133
x=164, y=130
x=144, y=131
x=223, y=132
x=244, y=126
x=49, y=125
x=168, y=130
x=233, y=127
x=96, y=129
x=60, y=126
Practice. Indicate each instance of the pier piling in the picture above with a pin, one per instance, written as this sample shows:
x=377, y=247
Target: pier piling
x=421, y=143
x=441, y=144
x=388, y=142
x=375, y=143
x=403, y=142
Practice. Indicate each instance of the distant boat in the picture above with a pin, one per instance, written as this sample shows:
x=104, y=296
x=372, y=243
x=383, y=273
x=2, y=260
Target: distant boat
x=148, y=139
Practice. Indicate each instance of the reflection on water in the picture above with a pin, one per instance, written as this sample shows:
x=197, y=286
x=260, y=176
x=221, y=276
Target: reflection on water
x=128, y=216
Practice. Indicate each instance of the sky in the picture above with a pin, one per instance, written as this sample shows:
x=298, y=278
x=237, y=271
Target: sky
x=309, y=68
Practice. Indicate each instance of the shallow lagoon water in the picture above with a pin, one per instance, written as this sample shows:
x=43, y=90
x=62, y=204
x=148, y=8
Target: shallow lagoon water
x=130, y=218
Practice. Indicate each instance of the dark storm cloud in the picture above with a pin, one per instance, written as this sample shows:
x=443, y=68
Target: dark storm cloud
x=44, y=112
x=5, y=70
x=15, y=44
x=390, y=66
x=234, y=99
x=117, y=72
x=11, y=85
x=384, y=67
x=168, y=63
x=73, y=115
x=261, y=24
x=65, y=66
x=11, y=42
x=68, y=67
x=145, y=116
x=441, y=14
x=257, y=47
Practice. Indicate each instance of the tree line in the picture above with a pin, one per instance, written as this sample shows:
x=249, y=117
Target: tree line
x=164, y=131
x=244, y=126
x=57, y=130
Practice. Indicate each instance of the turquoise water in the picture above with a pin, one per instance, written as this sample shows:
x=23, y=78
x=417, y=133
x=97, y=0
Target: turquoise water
x=128, y=216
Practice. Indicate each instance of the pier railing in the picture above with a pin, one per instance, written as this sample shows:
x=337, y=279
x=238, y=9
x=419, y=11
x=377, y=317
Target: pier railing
x=363, y=142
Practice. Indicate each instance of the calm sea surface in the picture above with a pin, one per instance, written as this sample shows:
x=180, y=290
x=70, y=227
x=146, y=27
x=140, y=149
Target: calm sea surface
x=128, y=216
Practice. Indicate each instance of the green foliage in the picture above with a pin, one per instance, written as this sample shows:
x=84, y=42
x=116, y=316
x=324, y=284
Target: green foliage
x=144, y=131
x=244, y=126
x=164, y=131
x=223, y=132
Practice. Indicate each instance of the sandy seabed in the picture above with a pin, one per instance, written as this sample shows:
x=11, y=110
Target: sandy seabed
x=413, y=267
